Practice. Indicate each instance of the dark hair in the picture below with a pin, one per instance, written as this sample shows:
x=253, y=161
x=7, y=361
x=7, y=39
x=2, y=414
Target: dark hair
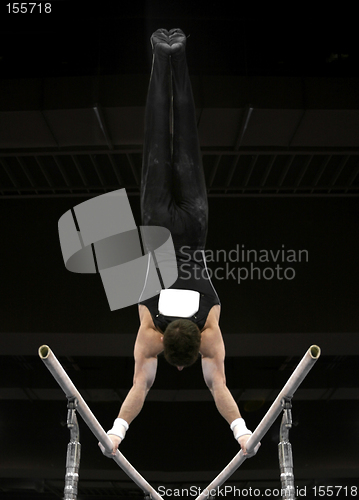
x=181, y=342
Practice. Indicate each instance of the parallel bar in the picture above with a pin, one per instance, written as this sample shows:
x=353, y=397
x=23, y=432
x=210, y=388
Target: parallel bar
x=70, y=390
x=288, y=390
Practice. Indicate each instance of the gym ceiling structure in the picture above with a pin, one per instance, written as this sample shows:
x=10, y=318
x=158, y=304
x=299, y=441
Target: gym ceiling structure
x=277, y=101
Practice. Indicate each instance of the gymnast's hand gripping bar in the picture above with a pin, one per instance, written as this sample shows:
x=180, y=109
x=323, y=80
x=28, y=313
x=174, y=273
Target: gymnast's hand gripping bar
x=70, y=390
x=288, y=390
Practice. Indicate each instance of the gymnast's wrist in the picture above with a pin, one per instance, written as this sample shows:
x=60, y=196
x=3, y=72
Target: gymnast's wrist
x=119, y=428
x=239, y=428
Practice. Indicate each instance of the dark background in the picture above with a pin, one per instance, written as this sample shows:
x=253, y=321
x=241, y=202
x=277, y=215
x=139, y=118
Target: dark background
x=277, y=103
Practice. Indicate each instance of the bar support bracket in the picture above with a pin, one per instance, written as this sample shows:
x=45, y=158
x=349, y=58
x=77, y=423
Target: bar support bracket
x=73, y=452
x=285, y=452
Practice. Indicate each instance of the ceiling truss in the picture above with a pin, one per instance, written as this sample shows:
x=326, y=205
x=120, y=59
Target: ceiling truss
x=83, y=173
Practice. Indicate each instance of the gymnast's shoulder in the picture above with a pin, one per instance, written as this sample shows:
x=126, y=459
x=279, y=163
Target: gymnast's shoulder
x=212, y=320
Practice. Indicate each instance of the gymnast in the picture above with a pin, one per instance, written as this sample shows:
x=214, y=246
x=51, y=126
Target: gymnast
x=183, y=321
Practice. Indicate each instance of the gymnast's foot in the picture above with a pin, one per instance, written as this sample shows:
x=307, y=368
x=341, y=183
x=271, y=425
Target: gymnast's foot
x=160, y=42
x=170, y=43
x=177, y=41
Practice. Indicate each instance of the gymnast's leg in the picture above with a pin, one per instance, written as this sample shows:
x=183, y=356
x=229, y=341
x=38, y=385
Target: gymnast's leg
x=189, y=181
x=156, y=182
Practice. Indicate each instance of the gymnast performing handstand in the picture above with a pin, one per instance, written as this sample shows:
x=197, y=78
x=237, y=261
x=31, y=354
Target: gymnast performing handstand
x=183, y=321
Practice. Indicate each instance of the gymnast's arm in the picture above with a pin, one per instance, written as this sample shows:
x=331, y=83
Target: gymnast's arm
x=148, y=345
x=213, y=354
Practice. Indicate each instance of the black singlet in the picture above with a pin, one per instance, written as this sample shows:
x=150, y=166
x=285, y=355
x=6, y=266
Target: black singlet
x=192, y=275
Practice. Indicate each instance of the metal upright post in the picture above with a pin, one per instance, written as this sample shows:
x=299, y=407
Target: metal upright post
x=73, y=453
x=285, y=452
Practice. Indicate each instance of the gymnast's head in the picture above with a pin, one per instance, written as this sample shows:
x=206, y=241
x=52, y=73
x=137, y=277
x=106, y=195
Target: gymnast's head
x=181, y=343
